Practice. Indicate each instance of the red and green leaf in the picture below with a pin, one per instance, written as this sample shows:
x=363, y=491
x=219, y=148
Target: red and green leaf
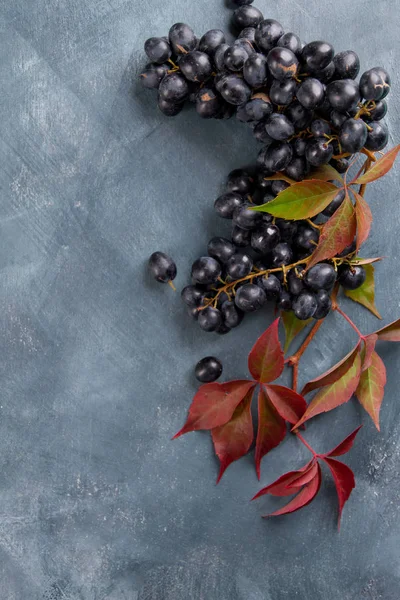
x=304, y=497
x=345, y=445
x=369, y=347
x=271, y=428
x=365, y=261
x=370, y=390
x=390, y=333
x=281, y=486
x=293, y=326
x=301, y=200
x=214, y=405
x=290, y=405
x=336, y=394
x=326, y=173
x=364, y=220
x=266, y=359
x=344, y=480
x=233, y=440
x=336, y=234
x=333, y=374
x=380, y=167
x=365, y=294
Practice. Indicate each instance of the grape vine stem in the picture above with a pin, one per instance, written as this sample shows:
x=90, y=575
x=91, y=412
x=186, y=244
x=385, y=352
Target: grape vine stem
x=353, y=325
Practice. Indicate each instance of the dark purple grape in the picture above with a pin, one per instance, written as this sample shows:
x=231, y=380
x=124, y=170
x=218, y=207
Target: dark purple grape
x=352, y=277
x=343, y=94
x=241, y=237
x=317, y=55
x=277, y=157
x=226, y=204
x=283, y=92
x=221, y=249
x=231, y=315
x=265, y=238
x=334, y=205
x=297, y=169
x=311, y=93
x=206, y=270
x=306, y=237
x=305, y=306
x=282, y=255
x=268, y=33
x=162, y=267
x=375, y=84
x=246, y=218
x=158, y=50
x=238, y=266
x=235, y=57
x=219, y=56
x=152, y=75
x=211, y=40
x=208, y=369
x=378, y=138
x=290, y=41
x=324, y=305
x=353, y=135
x=319, y=152
x=193, y=295
x=246, y=16
x=255, y=70
x=250, y=297
x=210, y=319
x=196, y=66
x=320, y=277
x=282, y=63
x=320, y=128
x=235, y=90
x=239, y=181
x=182, y=38
x=174, y=88
x=279, y=127
x=347, y=65
x=271, y=286
x=169, y=109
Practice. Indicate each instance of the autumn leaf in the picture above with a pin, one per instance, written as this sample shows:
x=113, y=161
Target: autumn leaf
x=345, y=445
x=266, y=359
x=333, y=374
x=280, y=177
x=336, y=234
x=214, y=405
x=305, y=478
x=233, y=440
x=326, y=173
x=370, y=390
x=365, y=294
x=343, y=477
x=301, y=200
x=380, y=167
x=271, y=428
x=365, y=261
x=369, y=347
x=290, y=405
x=390, y=333
x=281, y=487
x=332, y=396
x=293, y=326
x=304, y=497
x=364, y=220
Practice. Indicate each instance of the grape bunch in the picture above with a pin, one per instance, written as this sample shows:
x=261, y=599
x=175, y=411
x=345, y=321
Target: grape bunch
x=307, y=109
x=302, y=100
x=263, y=261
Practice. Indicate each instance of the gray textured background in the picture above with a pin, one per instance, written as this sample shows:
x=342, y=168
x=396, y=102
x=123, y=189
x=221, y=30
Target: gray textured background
x=96, y=502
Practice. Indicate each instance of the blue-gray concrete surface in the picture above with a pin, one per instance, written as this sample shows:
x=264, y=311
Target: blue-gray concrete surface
x=96, y=502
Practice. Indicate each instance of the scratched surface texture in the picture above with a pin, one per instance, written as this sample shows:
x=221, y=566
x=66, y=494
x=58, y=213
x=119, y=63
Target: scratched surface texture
x=96, y=502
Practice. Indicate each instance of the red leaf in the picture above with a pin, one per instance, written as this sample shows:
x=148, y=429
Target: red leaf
x=344, y=481
x=344, y=446
x=304, y=497
x=266, y=360
x=380, y=167
x=364, y=220
x=290, y=405
x=333, y=374
x=280, y=487
x=365, y=294
x=390, y=333
x=332, y=396
x=233, y=440
x=214, y=404
x=369, y=347
x=337, y=233
x=306, y=477
x=370, y=390
x=271, y=428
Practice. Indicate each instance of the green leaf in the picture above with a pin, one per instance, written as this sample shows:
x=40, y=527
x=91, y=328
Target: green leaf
x=380, y=167
x=326, y=173
x=301, y=200
x=364, y=220
x=365, y=294
x=332, y=396
x=293, y=326
x=390, y=333
x=336, y=234
x=370, y=390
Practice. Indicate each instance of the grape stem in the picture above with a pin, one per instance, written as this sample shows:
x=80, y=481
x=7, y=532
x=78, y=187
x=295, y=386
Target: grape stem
x=341, y=312
x=293, y=360
x=307, y=445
